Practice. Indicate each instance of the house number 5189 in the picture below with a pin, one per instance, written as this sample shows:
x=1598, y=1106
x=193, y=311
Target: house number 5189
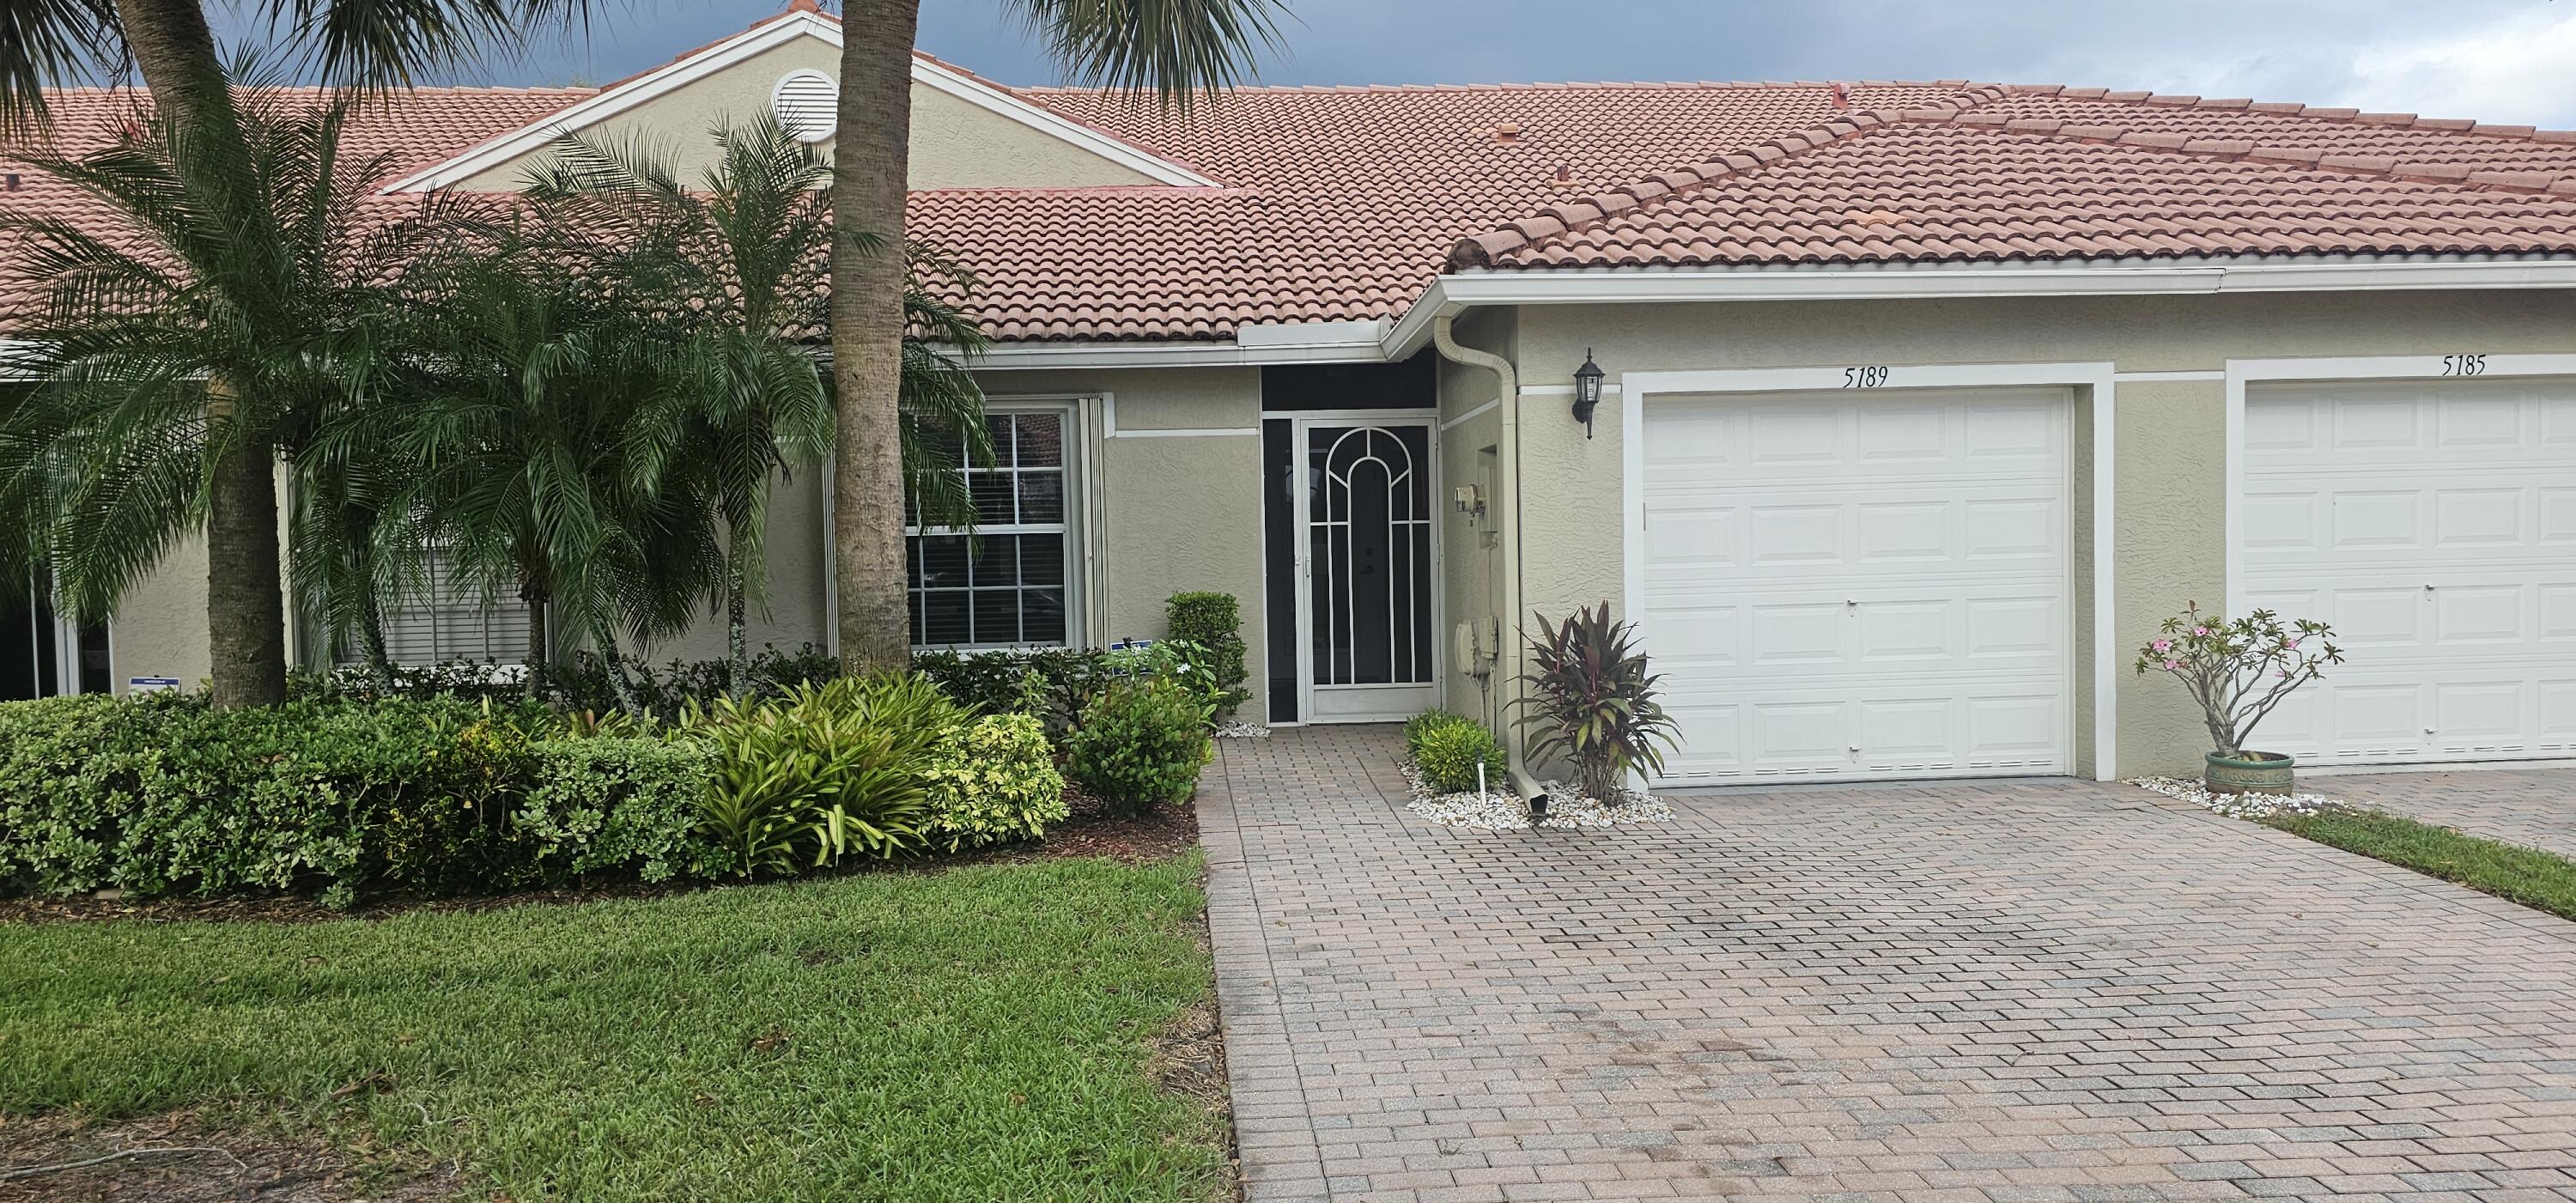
x=2464, y=365
x=1870, y=377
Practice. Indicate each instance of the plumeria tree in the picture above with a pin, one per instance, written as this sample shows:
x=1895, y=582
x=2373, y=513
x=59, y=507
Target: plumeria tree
x=2239, y=669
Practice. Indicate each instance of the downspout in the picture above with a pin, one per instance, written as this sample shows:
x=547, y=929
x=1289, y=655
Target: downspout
x=1508, y=459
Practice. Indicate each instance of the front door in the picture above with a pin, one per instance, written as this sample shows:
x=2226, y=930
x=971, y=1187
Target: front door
x=1367, y=564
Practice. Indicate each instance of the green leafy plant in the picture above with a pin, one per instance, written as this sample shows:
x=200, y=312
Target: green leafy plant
x=1592, y=701
x=2238, y=670
x=825, y=772
x=1179, y=661
x=617, y=805
x=1214, y=622
x=1051, y=683
x=991, y=780
x=1422, y=724
x=1141, y=744
x=1449, y=751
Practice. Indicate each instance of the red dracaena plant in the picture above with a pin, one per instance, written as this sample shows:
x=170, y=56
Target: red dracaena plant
x=1592, y=701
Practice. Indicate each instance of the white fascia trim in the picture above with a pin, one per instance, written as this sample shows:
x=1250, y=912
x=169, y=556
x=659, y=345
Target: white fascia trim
x=2097, y=379
x=759, y=40
x=2242, y=373
x=1002, y=104
x=1024, y=357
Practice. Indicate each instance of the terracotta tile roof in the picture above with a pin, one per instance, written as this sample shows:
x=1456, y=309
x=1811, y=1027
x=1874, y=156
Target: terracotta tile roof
x=1345, y=203
x=1341, y=202
x=413, y=130
x=2051, y=174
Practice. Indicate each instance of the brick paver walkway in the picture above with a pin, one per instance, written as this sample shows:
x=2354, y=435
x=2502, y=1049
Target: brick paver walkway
x=2535, y=808
x=2043, y=990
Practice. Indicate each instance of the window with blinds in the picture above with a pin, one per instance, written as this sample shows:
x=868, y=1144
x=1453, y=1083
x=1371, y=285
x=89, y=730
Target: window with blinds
x=448, y=623
x=1009, y=585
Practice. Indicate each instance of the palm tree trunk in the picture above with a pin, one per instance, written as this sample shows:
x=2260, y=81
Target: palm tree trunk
x=534, y=599
x=380, y=662
x=174, y=49
x=737, y=629
x=245, y=608
x=871, y=162
x=614, y=659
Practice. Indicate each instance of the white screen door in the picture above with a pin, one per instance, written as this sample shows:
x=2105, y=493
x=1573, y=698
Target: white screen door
x=1367, y=563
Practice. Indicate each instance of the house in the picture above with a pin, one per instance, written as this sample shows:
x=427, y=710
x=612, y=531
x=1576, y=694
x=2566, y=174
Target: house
x=1920, y=404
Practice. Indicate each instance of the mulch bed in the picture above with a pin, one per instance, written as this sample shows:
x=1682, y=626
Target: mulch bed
x=201, y=1164
x=1091, y=830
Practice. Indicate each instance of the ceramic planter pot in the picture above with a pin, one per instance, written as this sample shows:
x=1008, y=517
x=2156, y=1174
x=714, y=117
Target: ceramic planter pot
x=2248, y=772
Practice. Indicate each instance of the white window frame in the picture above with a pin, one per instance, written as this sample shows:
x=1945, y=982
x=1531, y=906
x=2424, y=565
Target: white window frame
x=1070, y=530
x=2095, y=378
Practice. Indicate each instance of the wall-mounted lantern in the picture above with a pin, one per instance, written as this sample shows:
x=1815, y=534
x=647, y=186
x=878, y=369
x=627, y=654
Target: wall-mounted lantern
x=1587, y=391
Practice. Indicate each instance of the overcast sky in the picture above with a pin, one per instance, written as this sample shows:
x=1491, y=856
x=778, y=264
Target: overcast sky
x=2506, y=61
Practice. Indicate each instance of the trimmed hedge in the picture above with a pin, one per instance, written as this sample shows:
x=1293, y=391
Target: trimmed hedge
x=435, y=795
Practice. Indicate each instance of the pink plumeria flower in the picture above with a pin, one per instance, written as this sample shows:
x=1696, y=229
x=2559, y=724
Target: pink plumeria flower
x=2173, y=664
x=2164, y=645
x=2200, y=631
x=2292, y=645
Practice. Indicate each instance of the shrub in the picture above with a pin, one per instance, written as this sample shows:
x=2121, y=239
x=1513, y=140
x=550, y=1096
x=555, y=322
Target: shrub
x=2237, y=670
x=337, y=793
x=1422, y=724
x=993, y=779
x=822, y=772
x=620, y=805
x=1052, y=683
x=1179, y=661
x=1141, y=744
x=1213, y=621
x=1592, y=701
x=1448, y=754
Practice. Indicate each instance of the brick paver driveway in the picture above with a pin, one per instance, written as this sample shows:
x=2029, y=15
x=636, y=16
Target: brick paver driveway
x=2535, y=808
x=2036, y=990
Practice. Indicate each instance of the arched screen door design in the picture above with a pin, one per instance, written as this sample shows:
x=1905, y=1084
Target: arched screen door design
x=1369, y=562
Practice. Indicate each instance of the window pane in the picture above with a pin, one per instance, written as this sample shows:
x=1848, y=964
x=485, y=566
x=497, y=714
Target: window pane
x=996, y=561
x=997, y=616
x=992, y=496
x=1042, y=496
x=1041, y=440
x=915, y=598
x=943, y=562
x=1000, y=426
x=945, y=618
x=1042, y=615
x=1041, y=559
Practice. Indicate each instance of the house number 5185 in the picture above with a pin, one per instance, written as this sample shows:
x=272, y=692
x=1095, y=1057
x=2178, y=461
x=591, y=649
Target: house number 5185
x=2464, y=365
x=1870, y=377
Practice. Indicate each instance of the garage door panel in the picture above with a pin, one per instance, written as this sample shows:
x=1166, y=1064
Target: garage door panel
x=2431, y=523
x=1903, y=611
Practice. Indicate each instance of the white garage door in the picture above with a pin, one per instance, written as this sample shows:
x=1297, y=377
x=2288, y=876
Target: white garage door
x=2434, y=525
x=1842, y=589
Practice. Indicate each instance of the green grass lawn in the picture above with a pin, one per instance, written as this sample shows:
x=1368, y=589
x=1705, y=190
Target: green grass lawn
x=974, y=1034
x=2531, y=877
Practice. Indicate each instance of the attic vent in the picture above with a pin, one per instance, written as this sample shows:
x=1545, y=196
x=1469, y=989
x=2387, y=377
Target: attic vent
x=808, y=104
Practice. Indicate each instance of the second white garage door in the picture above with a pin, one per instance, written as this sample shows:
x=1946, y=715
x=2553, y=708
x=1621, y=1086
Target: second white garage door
x=1853, y=589
x=2434, y=525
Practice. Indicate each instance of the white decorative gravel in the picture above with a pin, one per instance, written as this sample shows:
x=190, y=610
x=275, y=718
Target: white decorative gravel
x=2240, y=806
x=1236, y=728
x=1503, y=811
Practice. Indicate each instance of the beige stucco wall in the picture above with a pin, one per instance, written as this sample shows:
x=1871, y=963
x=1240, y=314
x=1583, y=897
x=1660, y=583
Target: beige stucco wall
x=2169, y=483
x=160, y=629
x=1471, y=546
x=792, y=613
x=955, y=144
x=1177, y=512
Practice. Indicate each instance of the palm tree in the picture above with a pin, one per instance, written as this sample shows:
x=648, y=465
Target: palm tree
x=735, y=265
x=364, y=44
x=181, y=355
x=520, y=392
x=1169, y=47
